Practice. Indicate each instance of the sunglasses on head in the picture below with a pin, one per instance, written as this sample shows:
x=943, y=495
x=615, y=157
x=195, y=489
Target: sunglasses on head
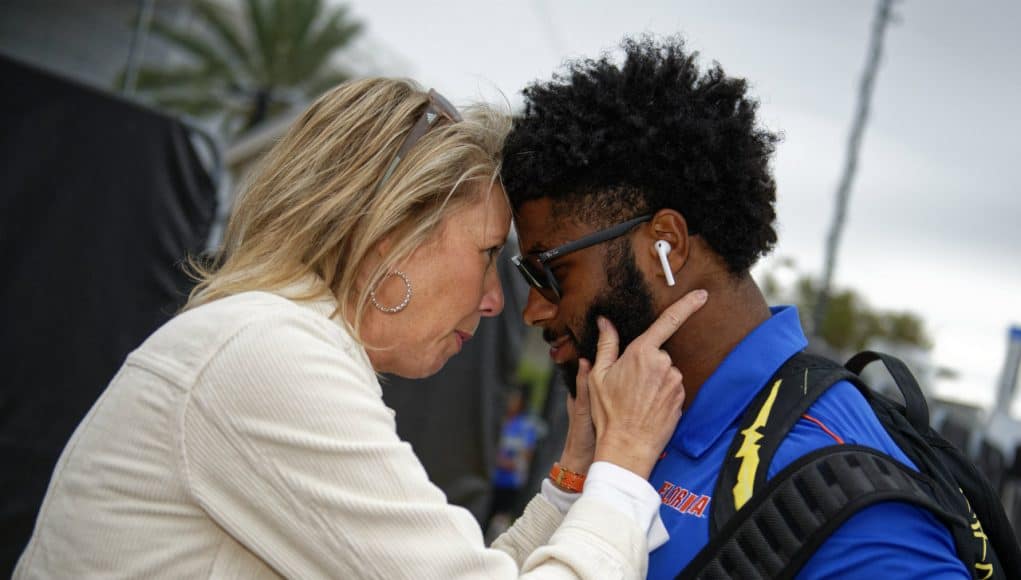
x=535, y=266
x=437, y=109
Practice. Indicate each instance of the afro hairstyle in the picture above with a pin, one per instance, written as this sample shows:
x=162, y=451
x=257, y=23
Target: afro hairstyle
x=606, y=143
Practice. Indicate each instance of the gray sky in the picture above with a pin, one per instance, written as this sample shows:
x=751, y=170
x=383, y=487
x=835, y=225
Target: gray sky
x=935, y=209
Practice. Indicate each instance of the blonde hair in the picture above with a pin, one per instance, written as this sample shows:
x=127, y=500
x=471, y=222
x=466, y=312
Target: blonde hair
x=312, y=205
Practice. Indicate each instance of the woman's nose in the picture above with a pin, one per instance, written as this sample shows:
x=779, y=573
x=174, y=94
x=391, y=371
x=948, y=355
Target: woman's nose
x=492, y=295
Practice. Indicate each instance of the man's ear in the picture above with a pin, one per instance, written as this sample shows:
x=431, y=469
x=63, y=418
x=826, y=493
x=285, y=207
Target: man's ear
x=670, y=226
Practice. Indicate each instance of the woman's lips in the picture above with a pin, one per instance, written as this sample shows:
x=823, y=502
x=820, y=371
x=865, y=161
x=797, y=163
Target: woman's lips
x=562, y=350
x=462, y=337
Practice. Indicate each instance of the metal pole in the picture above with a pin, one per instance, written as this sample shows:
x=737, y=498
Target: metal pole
x=883, y=13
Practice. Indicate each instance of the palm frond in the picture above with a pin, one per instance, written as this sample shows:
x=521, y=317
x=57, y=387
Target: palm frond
x=336, y=32
x=264, y=47
x=153, y=78
x=227, y=33
x=199, y=48
x=305, y=13
x=293, y=26
x=281, y=44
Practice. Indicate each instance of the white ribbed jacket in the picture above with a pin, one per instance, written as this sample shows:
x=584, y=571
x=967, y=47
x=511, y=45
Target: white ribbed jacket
x=248, y=438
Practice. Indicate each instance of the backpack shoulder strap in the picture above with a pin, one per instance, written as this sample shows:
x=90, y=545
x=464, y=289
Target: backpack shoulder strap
x=783, y=524
x=915, y=408
x=770, y=416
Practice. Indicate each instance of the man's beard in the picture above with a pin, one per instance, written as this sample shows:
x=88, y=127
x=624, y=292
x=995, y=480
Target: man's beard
x=626, y=301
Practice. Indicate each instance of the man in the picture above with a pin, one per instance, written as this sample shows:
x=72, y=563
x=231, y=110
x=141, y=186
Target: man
x=617, y=158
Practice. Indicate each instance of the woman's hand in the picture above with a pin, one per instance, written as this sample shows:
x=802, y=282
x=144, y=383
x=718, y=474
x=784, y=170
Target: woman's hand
x=636, y=398
x=580, y=445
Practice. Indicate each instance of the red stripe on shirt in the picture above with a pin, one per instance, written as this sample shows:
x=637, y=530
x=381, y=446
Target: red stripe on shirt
x=824, y=428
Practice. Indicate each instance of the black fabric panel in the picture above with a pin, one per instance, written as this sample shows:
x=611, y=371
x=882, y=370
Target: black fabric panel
x=100, y=201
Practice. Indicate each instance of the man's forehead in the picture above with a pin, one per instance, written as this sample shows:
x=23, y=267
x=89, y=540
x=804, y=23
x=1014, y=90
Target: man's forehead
x=540, y=227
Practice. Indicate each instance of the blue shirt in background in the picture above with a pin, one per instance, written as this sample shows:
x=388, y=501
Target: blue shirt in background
x=517, y=441
x=889, y=540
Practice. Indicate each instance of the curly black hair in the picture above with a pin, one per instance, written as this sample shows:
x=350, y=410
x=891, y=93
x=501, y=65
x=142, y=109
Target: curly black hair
x=607, y=142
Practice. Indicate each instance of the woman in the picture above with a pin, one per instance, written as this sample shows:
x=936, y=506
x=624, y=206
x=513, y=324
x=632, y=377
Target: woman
x=247, y=437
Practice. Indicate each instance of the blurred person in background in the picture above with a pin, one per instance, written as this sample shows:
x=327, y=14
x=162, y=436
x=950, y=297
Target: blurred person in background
x=247, y=437
x=519, y=434
x=608, y=164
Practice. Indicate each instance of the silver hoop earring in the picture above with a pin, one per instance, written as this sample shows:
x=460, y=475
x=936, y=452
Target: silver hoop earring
x=407, y=294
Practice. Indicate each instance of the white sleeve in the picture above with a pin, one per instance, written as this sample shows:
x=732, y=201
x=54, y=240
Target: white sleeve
x=632, y=495
x=562, y=500
x=287, y=444
x=620, y=488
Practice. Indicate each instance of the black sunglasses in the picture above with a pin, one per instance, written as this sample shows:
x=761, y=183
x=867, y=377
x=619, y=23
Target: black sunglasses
x=535, y=267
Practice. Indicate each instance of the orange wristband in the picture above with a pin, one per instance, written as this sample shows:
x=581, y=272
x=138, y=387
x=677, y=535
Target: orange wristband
x=566, y=479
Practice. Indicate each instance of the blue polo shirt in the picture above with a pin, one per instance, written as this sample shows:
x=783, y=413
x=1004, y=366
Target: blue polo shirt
x=888, y=540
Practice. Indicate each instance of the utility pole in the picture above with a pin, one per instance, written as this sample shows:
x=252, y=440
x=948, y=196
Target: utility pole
x=882, y=18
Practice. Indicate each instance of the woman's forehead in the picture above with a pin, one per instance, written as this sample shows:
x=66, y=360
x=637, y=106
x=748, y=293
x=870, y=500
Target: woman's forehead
x=487, y=219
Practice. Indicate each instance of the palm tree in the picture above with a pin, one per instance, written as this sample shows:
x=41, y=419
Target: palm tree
x=246, y=70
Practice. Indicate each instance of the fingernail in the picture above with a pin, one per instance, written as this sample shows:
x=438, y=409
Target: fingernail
x=701, y=295
x=601, y=323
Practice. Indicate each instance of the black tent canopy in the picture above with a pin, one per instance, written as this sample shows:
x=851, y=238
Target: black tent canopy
x=101, y=199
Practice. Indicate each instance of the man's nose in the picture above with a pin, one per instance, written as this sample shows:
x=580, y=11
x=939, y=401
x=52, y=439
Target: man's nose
x=538, y=309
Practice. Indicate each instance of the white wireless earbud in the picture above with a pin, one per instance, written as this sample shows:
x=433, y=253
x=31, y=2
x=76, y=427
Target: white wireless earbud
x=663, y=248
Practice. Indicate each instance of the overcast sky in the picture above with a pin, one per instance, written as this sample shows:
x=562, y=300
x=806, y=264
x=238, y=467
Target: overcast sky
x=935, y=209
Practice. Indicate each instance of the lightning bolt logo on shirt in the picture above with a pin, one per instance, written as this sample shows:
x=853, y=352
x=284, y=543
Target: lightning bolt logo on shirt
x=748, y=453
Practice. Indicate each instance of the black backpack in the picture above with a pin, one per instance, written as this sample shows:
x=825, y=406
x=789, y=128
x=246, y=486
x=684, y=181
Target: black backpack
x=769, y=529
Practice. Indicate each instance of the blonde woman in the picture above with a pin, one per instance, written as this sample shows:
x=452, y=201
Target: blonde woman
x=247, y=437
